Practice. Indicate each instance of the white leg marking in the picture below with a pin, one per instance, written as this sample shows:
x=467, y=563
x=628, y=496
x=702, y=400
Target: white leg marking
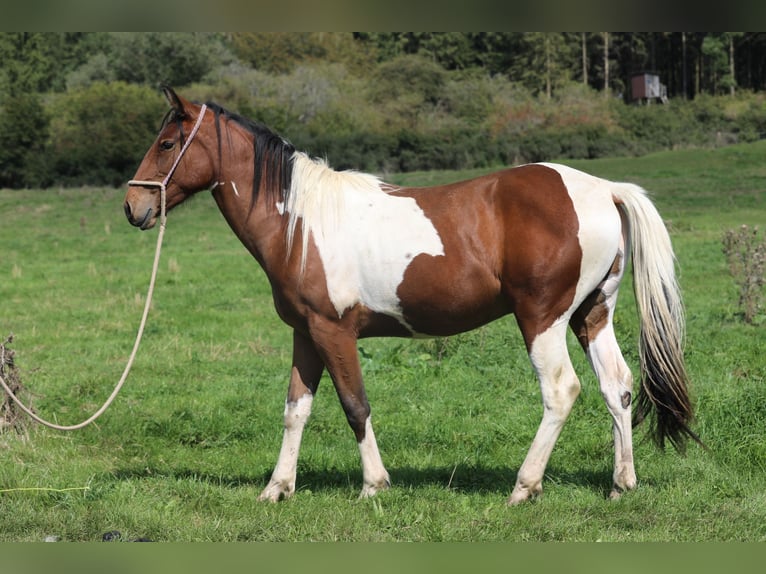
x=375, y=475
x=234, y=186
x=282, y=483
x=560, y=387
x=616, y=382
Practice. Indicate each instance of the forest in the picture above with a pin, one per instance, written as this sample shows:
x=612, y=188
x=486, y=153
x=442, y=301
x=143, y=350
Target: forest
x=81, y=108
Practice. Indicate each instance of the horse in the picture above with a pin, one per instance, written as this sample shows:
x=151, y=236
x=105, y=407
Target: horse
x=349, y=256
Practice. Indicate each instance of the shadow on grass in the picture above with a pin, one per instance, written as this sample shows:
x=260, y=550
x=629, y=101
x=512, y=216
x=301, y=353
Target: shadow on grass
x=467, y=479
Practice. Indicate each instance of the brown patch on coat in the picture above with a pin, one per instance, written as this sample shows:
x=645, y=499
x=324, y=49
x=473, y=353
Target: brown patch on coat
x=510, y=246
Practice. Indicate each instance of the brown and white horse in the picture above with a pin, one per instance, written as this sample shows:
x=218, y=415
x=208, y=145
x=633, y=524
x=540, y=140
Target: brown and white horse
x=349, y=256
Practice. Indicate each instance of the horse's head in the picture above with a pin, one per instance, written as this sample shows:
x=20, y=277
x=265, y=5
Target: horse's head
x=162, y=164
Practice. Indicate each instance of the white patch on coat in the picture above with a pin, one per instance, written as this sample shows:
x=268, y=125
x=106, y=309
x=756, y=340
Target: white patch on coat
x=366, y=238
x=600, y=227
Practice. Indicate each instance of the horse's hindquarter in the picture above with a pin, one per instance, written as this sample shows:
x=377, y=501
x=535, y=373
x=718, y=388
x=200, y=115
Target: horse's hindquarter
x=599, y=224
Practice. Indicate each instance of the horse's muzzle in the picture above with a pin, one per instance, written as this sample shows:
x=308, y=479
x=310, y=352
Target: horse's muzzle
x=143, y=222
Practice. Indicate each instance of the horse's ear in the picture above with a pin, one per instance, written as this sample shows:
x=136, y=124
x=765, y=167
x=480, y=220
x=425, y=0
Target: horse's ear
x=177, y=102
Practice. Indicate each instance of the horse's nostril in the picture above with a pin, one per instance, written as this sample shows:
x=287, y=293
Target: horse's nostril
x=128, y=212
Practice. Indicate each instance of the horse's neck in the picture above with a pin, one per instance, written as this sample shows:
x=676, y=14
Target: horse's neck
x=259, y=225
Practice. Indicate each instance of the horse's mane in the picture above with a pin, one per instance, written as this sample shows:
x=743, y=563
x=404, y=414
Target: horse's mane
x=317, y=197
x=272, y=155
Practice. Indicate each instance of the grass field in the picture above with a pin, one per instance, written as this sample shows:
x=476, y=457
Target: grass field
x=192, y=439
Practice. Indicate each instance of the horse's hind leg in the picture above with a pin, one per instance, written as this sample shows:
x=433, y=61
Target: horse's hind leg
x=592, y=323
x=559, y=387
x=616, y=382
x=304, y=379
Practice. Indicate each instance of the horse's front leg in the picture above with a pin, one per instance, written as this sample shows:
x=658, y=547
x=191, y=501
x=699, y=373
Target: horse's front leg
x=304, y=379
x=337, y=347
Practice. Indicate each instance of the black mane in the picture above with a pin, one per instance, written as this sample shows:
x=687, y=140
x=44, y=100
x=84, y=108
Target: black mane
x=272, y=155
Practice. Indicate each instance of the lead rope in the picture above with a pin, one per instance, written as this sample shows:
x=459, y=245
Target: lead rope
x=163, y=219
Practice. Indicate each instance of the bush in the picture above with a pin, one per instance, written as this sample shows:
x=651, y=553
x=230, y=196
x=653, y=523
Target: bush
x=751, y=123
x=469, y=96
x=746, y=254
x=655, y=127
x=408, y=77
x=372, y=152
x=540, y=145
x=448, y=148
x=23, y=134
x=172, y=58
x=100, y=133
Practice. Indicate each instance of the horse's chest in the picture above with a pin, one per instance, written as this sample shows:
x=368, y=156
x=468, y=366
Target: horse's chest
x=367, y=253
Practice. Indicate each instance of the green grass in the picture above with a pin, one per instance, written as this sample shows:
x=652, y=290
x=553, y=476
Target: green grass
x=192, y=439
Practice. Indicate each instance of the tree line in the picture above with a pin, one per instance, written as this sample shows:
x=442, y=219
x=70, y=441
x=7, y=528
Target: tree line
x=689, y=63
x=81, y=108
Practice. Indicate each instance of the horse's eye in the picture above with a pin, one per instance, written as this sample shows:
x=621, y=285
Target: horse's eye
x=167, y=144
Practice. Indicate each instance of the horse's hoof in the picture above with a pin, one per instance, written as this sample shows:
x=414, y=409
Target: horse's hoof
x=522, y=494
x=372, y=489
x=275, y=492
x=618, y=491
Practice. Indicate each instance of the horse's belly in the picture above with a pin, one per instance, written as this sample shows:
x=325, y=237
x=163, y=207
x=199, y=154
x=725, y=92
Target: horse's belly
x=422, y=322
x=441, y=297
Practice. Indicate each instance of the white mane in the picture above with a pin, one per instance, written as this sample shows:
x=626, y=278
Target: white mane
x=317, y=197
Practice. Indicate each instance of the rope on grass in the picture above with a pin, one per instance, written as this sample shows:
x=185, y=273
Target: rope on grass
x=129, y=364
x=163, y=217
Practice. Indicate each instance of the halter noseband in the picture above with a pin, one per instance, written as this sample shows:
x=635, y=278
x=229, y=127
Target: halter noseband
x=164, y=183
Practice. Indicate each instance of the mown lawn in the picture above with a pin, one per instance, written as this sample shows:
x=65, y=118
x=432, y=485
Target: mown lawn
x=192, y=439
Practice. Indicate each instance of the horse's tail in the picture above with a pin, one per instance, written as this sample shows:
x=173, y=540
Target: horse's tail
x=663, y=374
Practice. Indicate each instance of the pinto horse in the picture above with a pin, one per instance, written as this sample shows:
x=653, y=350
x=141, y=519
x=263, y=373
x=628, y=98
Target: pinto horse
x=349, y=256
